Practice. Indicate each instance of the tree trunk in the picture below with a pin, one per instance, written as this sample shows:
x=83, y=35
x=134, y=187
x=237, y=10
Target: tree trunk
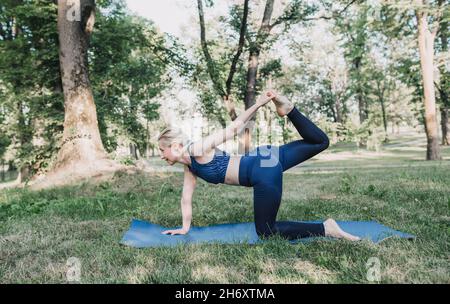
x=362, y=108
x=3, y=170
x=338, y=110
x=268, y=117
x=133, y=151
x=383, y=111
x=147, y=141
x=24, y=173
x=426, y=50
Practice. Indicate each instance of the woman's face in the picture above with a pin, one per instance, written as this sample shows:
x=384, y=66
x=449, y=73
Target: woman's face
x=170, y=154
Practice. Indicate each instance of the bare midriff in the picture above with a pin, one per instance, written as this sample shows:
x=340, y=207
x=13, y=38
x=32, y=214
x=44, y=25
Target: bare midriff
x=232, y=174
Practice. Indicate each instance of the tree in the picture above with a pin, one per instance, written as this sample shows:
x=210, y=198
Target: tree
x=127, y=66
x=422, y=19
x=426, y=39
x=82, y=153
x=355, y=32
x=29, y=76
x=443, y=86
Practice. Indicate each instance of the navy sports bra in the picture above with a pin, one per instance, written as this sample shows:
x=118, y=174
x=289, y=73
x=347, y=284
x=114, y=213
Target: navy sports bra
x=213, y=171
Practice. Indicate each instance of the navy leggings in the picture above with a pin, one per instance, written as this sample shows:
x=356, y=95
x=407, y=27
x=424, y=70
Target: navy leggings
x=262, y=169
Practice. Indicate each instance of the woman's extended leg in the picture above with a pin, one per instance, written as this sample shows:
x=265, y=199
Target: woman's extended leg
x=314, y=141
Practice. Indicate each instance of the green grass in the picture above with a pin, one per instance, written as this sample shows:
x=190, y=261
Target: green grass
x=39, y=231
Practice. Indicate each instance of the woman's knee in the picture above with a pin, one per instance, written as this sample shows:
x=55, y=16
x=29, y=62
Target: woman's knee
x=325, y=142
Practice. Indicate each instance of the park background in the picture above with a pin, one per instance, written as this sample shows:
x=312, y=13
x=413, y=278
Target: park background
x=82, y=101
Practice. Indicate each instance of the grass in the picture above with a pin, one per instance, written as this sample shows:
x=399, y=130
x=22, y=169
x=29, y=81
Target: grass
x=40, y=231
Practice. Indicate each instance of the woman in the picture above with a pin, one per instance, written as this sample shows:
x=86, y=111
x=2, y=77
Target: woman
x=258, y=169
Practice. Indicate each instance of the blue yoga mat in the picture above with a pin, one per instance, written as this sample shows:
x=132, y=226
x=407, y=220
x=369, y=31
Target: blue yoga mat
x=145, y=234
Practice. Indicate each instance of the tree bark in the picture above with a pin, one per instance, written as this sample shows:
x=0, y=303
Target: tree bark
x=3, y=169
x=381, y=87
x=337, y=109
x=362, y=107
x=133, y=151
x=426, y=50
x=383, y=112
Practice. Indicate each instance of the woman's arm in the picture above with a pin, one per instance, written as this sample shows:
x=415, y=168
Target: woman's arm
x=236, y=127
x=186, y=212
x=190, y=180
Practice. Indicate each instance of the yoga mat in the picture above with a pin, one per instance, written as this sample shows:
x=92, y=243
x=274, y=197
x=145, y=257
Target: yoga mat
x=145, y=234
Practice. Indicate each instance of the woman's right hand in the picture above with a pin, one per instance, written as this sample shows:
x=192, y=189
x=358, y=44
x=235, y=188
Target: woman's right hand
x=176, y=231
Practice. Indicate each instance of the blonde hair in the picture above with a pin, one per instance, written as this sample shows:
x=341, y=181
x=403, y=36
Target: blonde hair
x=171, y=135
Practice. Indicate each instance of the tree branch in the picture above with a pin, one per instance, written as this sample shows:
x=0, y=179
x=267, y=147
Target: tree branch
x=290, y=15
x=439, y=15
x=265, y=27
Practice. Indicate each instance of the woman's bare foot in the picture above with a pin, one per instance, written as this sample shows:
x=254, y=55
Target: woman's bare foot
x=283, y=105
x=332, y=229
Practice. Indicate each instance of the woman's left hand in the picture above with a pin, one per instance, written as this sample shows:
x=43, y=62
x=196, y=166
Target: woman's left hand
x=176, y=231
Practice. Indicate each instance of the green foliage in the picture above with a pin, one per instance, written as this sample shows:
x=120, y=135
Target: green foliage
x=271, y=68
x=356, y=35
x=128, y=160
x=299, y=11
x=127, y=73
x=211, y=107
x=29, y=72
x=346, y=184
x=5, y=141
x=334, y=130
